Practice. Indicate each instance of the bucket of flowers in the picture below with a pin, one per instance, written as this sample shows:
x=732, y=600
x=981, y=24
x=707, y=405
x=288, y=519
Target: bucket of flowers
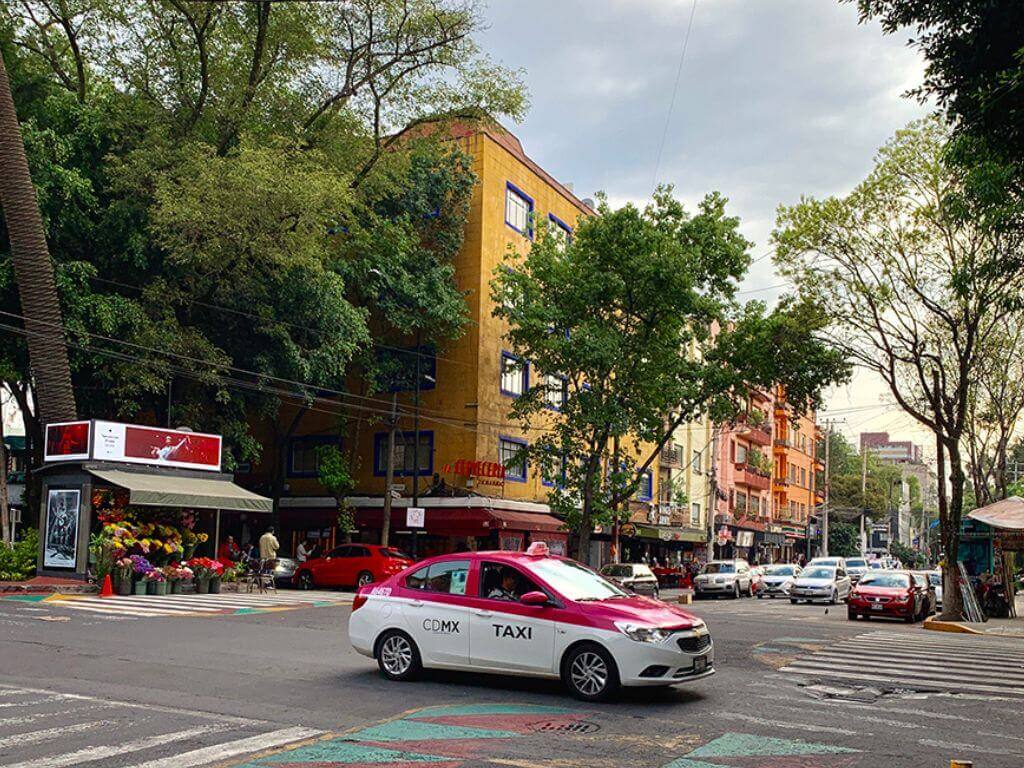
x=156, y=583
x=204, y=569
x=123, y=575
x=141, y=567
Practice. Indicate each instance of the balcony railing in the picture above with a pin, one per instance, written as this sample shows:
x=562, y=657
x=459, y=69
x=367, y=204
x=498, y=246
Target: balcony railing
x=758, y=436
x=749, y=476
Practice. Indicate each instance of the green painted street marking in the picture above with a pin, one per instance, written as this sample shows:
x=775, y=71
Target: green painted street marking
x=747, y=745
x=344, y=752
x=414, y=730
x=685, y=762
x=27, y=598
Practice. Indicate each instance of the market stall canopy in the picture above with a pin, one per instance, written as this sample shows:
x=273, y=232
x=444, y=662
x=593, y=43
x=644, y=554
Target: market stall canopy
x=1008, y=514
x=162, y=490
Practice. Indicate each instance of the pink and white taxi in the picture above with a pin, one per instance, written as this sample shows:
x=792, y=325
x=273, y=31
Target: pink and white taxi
x=527, y=614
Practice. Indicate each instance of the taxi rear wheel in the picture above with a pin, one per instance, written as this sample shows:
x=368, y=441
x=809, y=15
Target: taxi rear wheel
x=590, y=673
x=398, y=657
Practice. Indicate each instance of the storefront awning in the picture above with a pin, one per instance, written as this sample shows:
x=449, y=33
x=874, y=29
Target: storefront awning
x=671, y=533
x=161, y=490
x=1007, y=513
x=468, y=521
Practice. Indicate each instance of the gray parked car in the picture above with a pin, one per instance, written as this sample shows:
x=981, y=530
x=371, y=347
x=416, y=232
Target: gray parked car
x=724, y=577
x=821, y=582
x=635, y=577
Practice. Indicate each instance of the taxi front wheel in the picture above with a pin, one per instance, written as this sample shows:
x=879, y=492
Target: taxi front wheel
x=398, y=657
x=590, y=673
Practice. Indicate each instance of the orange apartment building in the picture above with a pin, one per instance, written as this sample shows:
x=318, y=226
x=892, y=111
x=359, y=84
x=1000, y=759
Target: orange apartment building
x=475, y=491
x=797, y=464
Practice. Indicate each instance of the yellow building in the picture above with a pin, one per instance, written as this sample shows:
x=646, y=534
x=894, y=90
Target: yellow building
x=472, y=484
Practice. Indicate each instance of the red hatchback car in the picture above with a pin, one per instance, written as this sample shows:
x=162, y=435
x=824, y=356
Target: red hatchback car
x=895, y=594
x=351, y=565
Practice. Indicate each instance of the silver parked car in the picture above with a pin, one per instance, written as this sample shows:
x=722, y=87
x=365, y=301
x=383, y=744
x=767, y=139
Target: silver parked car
x=724, y=577
x=856, y=567
x=635, y=577
x=821, y=582
x=935, y=579
x=778, y=579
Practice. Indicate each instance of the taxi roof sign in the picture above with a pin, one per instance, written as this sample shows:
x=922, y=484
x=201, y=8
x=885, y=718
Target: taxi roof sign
x=538, y=549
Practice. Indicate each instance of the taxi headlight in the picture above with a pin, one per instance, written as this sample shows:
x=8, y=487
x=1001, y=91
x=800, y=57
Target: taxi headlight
x=641, y=634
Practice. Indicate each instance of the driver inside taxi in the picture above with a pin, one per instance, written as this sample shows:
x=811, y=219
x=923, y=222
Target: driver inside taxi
x=507, y=589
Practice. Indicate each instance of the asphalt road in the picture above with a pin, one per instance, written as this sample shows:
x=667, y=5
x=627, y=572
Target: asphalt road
x=795, y=686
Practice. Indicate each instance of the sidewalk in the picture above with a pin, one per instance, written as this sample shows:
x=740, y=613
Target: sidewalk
x=992, y=627
x=41, y=585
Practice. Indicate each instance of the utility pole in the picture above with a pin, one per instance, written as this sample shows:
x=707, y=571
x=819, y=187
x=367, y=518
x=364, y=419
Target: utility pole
x=389, y=474
x=416, y=442
x=712, y=506
x=863, y=496
x=616, y=544
x=824, y=510
x=6, y=529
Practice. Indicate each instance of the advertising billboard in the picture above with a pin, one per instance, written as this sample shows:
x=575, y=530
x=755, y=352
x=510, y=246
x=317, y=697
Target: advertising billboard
x=152, y=445
x=67, y=441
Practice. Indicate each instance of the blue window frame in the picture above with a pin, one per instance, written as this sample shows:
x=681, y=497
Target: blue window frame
x=303, y=460
x=645, y=491
x=560, y=230
x=556, y=478
x=518, y=210
x=513, y=458
x=398, y=368
x=556, y=391
x=403, y=454
x=515, y=375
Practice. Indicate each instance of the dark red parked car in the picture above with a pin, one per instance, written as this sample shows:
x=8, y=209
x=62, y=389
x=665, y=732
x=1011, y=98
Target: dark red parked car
x=351, y=565
x=895, y=594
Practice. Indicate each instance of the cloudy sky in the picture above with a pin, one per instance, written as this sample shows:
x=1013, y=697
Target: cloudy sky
x=776, y=99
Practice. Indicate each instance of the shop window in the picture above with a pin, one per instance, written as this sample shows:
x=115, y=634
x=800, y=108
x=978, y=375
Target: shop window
x=449, y=577
x=515, y=375
x=398, y=368
x=303, y=456
x=560, y=231
x=556, y=391
x=512, y=455
x=695, y=513
x=518, y=210
x=404, y=454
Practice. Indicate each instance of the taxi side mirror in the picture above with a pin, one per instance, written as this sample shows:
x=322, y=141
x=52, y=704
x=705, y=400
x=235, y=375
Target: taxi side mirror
x=534, y=598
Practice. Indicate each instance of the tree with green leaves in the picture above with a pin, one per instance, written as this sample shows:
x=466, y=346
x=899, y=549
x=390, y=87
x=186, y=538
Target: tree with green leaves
x=915, y=292
x=335, y=476
x=612, y=314
x=843, y=539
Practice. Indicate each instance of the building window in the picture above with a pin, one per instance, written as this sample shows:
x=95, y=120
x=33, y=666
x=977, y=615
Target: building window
x=803, y=477
x=696, y=462
x=512, y=455
x=303, y=459
x=561, y=231
x=665, y=485
x=645, y=490
x=404, y=454
x=555, y=476
x=518, y=210
x=695, y=513
x=741, y=454
x=741, y=503
x=515, y=375
x=556, y=391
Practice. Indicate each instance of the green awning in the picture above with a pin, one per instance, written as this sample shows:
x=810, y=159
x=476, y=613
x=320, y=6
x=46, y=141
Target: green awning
x=159, y=490
x=670, y=533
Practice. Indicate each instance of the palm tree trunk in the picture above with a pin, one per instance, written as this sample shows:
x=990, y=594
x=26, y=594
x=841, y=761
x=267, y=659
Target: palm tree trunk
x=47, y=349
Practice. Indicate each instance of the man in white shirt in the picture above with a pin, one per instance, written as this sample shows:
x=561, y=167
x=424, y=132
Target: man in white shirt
x=302, y=551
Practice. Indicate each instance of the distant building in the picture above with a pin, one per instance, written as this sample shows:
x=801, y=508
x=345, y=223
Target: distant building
x=892, y=451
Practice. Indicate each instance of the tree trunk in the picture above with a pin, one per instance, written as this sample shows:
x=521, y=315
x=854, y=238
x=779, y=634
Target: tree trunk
x=33, y=270
x=952, y=603
x=586, y=524
x=6, y=530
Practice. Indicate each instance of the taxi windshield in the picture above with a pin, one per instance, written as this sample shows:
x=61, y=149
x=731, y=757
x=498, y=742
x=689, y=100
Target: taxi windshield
x=574, y=581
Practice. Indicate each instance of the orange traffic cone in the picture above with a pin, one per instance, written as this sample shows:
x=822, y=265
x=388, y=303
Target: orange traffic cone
x=108, y=587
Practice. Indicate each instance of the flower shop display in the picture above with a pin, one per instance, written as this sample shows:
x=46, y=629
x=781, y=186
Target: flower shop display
x=176, y=576
x=206, y=571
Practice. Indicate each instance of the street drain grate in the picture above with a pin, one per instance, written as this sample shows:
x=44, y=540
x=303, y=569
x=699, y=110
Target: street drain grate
x=559, y=726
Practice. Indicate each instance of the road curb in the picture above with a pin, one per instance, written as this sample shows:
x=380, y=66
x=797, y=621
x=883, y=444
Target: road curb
x=949, y=626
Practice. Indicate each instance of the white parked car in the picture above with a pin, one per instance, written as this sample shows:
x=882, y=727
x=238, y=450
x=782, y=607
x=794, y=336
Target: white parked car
x=821, y=582
x=724, y=577
x=856, y=567
x=636, y=577
x=778, y=579
x=831, y=562
x=935, y=579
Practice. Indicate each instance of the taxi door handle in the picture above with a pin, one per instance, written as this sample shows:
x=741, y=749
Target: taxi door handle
x=484, y=614
x=417, y=603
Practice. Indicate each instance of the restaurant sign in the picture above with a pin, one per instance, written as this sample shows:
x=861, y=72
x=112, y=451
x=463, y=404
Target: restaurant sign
x=132, y=444
x=482, y=472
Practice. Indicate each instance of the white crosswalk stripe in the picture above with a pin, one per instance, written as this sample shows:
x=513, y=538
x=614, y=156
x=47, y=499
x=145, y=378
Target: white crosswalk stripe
x=46, y=735
x=149, y=606
x=925, y=661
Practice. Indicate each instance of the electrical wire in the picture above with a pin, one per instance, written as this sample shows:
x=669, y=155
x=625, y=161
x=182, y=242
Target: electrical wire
x=672, y=101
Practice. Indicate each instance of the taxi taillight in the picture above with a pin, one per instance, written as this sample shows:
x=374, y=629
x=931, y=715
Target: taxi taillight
x=358, y=601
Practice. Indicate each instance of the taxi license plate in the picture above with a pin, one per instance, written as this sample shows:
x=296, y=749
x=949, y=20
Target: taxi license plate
x=700, y=664
x=876, y=607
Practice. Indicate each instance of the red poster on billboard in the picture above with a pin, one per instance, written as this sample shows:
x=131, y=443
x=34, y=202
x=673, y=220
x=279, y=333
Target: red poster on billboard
x=67, y=441
x=152, y=445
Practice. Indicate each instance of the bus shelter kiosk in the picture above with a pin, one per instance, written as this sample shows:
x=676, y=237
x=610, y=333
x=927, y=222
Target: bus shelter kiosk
x=150, y=471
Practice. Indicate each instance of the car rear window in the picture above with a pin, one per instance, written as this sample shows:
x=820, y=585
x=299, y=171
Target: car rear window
x=388, y=552
x=617, y=570
x=893, y=580
x=935, y=579
x=856, y=563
